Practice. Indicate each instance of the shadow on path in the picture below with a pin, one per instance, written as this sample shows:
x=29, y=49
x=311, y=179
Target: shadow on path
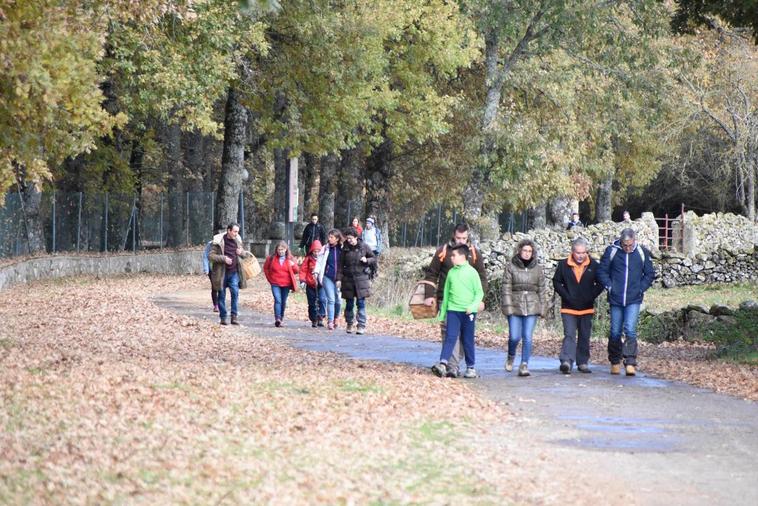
x=670, y=442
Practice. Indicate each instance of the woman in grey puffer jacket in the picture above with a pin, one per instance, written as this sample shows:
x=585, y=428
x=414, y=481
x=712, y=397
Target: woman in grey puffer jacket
x=523, y=300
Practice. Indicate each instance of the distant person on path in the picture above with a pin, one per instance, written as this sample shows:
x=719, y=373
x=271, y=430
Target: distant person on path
x=281, y=270
x=372, y=236
x=311, y=285
x=356, y=224
x=437, y=273
x=574, y=222
x=462, y=299
x=207, y=269
x=226, y=273
x=357, y=259
x=626, y=218
x=314, y=231
x=523, y=300
x=576, y=283
x=328, y=272
x=626, y=271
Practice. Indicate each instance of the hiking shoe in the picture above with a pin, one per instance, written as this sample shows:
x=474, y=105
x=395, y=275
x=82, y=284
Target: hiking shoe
x=336, y=323
x=320, y=322
x=523, y=370
x=509, y=364
x=440, y=369
x=223, y=321
x=314, y=325
x=278, y=323
x=361, y=330
x=452, y=372
x=584, y=368
x=565, y=367
x=615, y=369
x=215, y=308
x=470, y=373
x=630, y=370
x=330, y=326
x=234, y=320
x=349, y=328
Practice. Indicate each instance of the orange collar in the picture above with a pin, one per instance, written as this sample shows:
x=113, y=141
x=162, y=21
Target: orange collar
x=572, y=263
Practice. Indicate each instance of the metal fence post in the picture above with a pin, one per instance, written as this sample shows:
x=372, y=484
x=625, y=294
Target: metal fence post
x=79, y=223
x=134, y=225
x=439, y=217
x=105, y=238
x=186, y=220
x=160, y=239
x=53, y=222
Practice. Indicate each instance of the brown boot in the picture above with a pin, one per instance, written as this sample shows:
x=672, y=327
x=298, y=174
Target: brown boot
x=615, y=368
x=630, y=370
x=234, y=320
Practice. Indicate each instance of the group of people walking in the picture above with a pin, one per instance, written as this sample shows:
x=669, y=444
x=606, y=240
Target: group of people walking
x=341, y=265
x=625, y=271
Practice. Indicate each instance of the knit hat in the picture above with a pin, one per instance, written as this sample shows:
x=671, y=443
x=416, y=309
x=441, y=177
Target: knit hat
x=370, y=220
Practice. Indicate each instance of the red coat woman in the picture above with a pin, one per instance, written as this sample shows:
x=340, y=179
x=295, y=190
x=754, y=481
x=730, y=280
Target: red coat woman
x=281, y=270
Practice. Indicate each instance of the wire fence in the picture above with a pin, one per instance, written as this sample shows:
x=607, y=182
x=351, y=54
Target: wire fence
x=81, y=222
x=107, y=222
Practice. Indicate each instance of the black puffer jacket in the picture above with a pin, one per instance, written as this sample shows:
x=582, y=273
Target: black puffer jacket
x=355, y=281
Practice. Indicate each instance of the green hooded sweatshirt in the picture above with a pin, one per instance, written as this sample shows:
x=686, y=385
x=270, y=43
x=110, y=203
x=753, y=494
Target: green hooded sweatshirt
x=463, y=290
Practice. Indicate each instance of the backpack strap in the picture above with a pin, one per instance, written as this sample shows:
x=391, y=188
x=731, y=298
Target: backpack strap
x=473, y=253
x=443, y=254
x=639, y=250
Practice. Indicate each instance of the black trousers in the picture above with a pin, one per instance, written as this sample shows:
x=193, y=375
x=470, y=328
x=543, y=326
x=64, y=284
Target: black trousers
x=573, y=351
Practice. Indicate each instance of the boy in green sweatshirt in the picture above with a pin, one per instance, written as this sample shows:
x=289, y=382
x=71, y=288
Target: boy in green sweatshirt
x=462, y=295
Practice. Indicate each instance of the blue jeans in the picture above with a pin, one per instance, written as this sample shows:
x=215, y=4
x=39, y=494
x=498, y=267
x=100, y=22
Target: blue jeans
x=521, y=327
x=350, y=303
x=280, y=300
x=231, y=281
x=459, y=326
x=623, y=318
x=330, y=294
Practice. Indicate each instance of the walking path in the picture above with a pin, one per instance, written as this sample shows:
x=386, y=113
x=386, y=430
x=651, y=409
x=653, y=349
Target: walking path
x=664, y=442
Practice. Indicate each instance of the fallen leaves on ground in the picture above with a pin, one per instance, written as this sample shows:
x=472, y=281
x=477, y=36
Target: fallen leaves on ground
x=107, y=398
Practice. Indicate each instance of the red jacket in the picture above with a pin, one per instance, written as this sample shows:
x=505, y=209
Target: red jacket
x=306, y=268
x=281, y=274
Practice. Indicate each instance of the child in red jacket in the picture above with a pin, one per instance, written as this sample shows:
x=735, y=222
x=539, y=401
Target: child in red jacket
x=311, y=284
x=280, y=270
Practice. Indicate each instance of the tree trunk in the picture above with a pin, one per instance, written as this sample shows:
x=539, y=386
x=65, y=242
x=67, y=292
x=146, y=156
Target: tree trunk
x=604, y=199
x=537, y=217
x=750, y=190
x=326, y=190
x=350, y=185
x=176, y=226
x=311, y=186
x=280, y=185
x=561, y=209
x=232, y=161
x=31, y=203
x=378, y=176
x=136, y=159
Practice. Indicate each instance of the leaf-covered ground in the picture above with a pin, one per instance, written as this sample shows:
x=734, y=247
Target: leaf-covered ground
x=680, y=361
x=106, y=398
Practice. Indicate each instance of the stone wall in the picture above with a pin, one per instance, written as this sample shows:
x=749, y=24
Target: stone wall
x=59, y=266
x=713, y=232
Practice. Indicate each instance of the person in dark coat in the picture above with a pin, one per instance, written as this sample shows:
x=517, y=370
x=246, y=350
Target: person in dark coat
x=576, y=283
x=626, y=271
x=357, y=259
x=313, y=231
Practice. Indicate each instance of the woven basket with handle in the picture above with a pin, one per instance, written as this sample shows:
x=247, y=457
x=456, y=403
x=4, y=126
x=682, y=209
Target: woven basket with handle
x=419, y=310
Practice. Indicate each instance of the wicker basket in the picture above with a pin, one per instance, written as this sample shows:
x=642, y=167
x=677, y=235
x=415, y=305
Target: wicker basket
x=419, y=310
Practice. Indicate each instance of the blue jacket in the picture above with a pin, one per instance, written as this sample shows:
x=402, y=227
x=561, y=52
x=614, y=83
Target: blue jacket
x=206, y=260
x=626, y=276
x=378, y=239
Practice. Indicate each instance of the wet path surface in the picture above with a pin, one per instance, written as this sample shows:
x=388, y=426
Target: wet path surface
x=667, y=443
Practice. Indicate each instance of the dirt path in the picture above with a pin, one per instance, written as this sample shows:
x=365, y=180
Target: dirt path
x=662, y=442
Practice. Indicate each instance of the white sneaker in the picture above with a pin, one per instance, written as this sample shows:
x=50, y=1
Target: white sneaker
x=470, y=373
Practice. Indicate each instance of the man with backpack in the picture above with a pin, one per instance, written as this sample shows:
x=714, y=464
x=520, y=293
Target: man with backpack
x=437, y=273
x=626, y=270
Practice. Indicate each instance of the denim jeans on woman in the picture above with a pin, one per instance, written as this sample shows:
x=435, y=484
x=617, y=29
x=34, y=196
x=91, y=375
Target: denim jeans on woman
x=330, y=291
x=231, y=281
x=280, y=300
x=350, y=304
x=623, y=318
x=521, y=327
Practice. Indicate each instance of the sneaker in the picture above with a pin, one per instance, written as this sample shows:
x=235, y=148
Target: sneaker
x=320, y=322
x=452, y=372
x=223, y=321
x=470, y=373
x=330, y=326
x=523, y=370
x=234, y=320
x=509, y=364
x=278, y=323
x=440, y=369
x=615, y=369
x=584, y=368
x=361, y=330
x=630, y=370
x=349, y=328
x=565, y=367
x=215, y=308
